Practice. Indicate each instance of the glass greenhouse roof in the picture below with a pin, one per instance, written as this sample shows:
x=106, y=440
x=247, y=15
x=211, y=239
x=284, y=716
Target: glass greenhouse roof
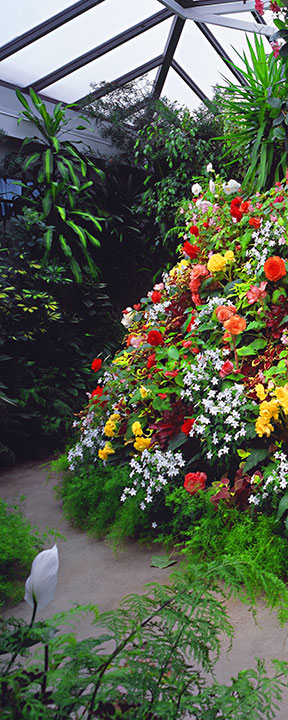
x=60, y=48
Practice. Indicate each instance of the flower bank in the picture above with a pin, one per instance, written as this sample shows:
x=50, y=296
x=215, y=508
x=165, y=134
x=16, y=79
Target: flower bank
x=196, y=403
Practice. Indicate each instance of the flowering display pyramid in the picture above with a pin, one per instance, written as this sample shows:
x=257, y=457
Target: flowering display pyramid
x=199, y=395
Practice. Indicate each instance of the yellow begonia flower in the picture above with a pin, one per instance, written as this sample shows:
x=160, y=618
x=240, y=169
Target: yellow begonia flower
x=260, y=392
x=263, y=428
x=109, y=429
x=136, y=428
x=114, y=417
x=104, y=453
x=229, y=255
x=141, y=443
x=216, y=263
x=282, y=397
x=143, y=392
x=268, y=410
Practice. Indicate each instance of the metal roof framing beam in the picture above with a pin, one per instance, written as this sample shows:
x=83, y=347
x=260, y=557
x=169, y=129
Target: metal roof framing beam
x=46, y=27
x=171, y=44
x=191, y=84
x=123, y=80
x=214, y=15
x=100, y=50
x=220, y=50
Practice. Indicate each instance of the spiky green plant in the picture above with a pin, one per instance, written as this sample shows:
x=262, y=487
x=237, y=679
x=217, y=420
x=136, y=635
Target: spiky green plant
x=256, y=117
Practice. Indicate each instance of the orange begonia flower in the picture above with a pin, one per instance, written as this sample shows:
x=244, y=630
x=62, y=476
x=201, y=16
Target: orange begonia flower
x=274, y=268
x=235, y=325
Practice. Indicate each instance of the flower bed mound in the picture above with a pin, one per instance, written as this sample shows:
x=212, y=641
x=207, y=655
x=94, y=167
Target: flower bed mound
x=195, y=406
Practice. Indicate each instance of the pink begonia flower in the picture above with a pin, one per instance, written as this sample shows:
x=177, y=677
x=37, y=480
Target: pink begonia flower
x=226, y=369
x=182, y=211
x=259, y=7
x=273, y=218
x=159, y=286
x=203, y=205
x=256, y=292
x=136, y=340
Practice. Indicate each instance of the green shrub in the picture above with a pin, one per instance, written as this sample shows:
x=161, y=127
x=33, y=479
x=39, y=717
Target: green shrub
x=18, y=545
x=232, y=532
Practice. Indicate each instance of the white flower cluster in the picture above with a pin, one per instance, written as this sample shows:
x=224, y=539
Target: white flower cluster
x=276, y=481
x=221, y=420
x=91, y=439
x=202, y=374
x=265, y=239
x=155, y=310
x=150, y=472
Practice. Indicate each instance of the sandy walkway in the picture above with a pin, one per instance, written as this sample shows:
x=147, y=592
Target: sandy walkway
x=91, y=573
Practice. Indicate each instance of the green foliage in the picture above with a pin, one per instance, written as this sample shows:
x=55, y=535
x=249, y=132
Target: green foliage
x=91, y=499
x=51, y=328
x=164, y=644
x=18, y=545
x=240, y=535
x=255, y=118
x=174, y=147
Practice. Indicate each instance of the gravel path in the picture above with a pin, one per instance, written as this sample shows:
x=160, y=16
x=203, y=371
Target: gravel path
x=91, y=573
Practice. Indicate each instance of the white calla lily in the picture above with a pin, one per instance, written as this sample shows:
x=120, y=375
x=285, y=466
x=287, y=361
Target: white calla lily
x=41, y=584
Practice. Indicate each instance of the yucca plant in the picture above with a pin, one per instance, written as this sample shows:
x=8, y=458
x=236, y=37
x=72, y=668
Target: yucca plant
x=256, y=117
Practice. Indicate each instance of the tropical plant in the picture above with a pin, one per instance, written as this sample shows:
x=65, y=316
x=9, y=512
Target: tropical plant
x=56, y=182
x=255, y=117
x=164, y=645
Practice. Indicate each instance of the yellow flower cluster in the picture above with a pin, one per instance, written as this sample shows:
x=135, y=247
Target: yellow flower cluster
x=136, y=428
x=141, y=443
x=143, y=392
x=269, y=409
x=104, y=453
x=110, y=427
x=218, y=262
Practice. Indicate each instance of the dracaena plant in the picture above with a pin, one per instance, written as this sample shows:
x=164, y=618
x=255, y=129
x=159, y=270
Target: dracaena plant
x=255, y=117
x=57, y=180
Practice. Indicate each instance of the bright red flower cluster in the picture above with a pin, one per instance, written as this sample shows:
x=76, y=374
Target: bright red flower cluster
x=96, y=364
x=187, y=425
x=155, y=338
x=194, y=482
x=191, y=250
x=235, y=211
x=156, y=296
